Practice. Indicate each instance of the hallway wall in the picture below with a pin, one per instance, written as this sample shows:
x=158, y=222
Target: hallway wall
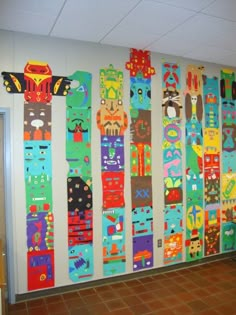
x=64, y=58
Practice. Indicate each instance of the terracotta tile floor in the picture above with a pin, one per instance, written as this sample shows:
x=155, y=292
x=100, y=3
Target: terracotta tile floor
x=206, y=289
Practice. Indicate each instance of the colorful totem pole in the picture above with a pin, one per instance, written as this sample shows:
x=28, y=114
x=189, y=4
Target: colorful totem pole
x=172, y=160
x=79, y=178
x=141, y=71
x=228, y=96
x=112, y=122
x=38, y=85
x=194, y=163
x=211, y=165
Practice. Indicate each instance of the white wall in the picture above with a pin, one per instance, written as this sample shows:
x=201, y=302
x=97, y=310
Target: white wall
x=64, y=58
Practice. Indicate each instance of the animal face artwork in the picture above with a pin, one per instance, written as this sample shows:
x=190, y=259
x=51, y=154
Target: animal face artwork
x=194, y=244
x=142, y=221
x=171, y=76
x=37, y=158
x=171, y=104
x=173, y=219
x=111, y=118
x=112, y=153
x=38, y=79
x=78, y=125
x=37, y=121
x=140, y=93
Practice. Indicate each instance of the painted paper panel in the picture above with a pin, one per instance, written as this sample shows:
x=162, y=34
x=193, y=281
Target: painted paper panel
x=173, y=248
x=112, y=122
x=37, y=153
x=79, y=177
x=172, y=159
x=40, y=269
x=141, y=71
x=114, y=254
x=38, y=85
x=194, y=163
x=212, y=232
x=142, y=252
x=212, y=183
x=228, y=143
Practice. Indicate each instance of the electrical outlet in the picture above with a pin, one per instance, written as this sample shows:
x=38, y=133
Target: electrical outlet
x=159, y=242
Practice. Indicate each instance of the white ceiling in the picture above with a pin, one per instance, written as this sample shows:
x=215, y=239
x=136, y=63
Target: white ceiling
x=197, y=29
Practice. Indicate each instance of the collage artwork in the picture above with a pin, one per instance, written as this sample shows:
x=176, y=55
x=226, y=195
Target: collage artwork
x=199, y=165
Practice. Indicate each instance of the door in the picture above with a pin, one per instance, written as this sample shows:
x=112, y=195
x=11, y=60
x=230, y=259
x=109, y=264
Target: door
x=2, y=194
x=3, y=295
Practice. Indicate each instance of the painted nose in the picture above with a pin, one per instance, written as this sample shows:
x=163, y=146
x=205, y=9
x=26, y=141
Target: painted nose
x=37, y=123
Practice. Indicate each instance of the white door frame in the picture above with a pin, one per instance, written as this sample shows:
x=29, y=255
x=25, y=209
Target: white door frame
x=8, y=205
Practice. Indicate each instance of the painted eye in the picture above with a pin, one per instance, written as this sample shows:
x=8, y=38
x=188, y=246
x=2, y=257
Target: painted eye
x=81, y=88
x=42, y=114
x=31, y=114
x=43, y=152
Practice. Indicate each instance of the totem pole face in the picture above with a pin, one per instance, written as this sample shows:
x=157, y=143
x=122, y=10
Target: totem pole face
x=140, y=93
x=37, y=121
x=38, y=78
x=171, y=77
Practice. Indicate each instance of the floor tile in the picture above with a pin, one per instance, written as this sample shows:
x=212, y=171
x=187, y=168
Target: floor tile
x=56, y=308
x=140, y=309
x=115, y=304
x=75, y=303
x=197, y=305
x=206, y=289
x=39, y=310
